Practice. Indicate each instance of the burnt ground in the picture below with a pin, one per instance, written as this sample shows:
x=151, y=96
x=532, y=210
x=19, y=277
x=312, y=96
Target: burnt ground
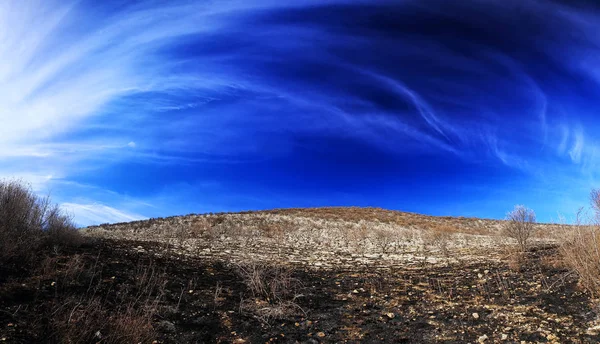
x=200, y=301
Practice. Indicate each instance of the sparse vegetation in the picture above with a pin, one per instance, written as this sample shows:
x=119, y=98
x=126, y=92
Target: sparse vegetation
x=332, y=275
x=28, y=222
x=78, y=308
x=274, y=291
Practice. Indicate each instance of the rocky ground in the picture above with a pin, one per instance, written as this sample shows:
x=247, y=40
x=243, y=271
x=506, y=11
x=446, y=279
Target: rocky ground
x=213, y=285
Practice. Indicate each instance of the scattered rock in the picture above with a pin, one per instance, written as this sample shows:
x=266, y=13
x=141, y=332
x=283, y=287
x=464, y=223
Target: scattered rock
x=594, y=330
x=482, y=338
x=475, y=316
x=166, y=326
x=320, y=334
x=504, y=336
x=391, y=315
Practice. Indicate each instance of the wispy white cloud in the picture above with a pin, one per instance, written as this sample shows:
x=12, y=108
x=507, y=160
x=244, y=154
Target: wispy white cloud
x=94, y=213
x=577, y=146
x=564, y=139
x=79, y=92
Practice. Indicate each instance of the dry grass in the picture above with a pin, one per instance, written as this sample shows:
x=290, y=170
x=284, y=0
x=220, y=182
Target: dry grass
x=119, y=316
x=404, y=219
x=88, y=320
x=270, y=282
x=581, y=252
x=323, y=237
x=580, y=247
x=273, y=290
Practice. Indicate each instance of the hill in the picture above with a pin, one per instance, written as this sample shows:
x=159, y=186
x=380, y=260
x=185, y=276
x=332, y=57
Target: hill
x=322, y=275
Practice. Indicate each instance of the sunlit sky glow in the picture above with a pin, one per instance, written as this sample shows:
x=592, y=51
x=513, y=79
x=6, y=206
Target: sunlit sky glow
x=132, y=109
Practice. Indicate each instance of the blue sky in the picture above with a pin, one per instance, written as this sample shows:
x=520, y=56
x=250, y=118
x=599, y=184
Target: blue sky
x=132, y=109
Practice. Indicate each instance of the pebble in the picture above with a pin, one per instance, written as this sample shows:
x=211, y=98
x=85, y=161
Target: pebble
x=391, y=315
x=476, y=315
x=593, y=330
x=321, y=334
x=504, y=336
x=482, y=338
x=166, y=326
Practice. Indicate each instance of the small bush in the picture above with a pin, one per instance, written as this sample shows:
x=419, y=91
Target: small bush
x=519, y=225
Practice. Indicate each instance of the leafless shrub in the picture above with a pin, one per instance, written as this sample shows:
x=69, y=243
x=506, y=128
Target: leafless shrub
x=432, y=241
x=274, y=290
x=270, y=282
x=405, y=240
x=520, y=225
x=440, y=240
x=199, y=227
x=384, y=239
x=28, y=222
x=273, y=230
x=224, y=227
x=580, y=248
x=358, y=237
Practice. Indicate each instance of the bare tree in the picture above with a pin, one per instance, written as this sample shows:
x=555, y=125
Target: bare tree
x=520, y=225
x=595, y=201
